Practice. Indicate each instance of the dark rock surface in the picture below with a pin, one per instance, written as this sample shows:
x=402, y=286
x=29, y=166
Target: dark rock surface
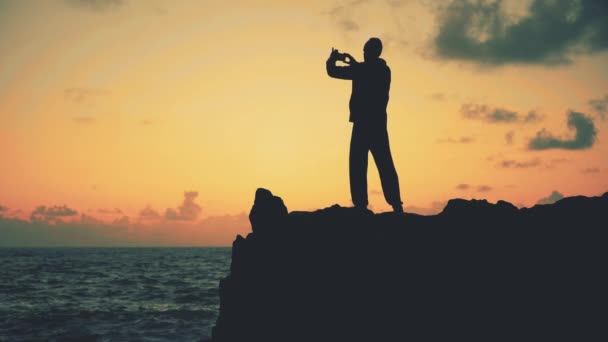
x=476, y=271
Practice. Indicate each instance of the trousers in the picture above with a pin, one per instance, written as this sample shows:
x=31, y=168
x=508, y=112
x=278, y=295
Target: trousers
x=374, y=138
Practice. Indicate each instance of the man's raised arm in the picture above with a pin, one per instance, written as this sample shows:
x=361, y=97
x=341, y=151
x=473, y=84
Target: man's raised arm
x=341, y=72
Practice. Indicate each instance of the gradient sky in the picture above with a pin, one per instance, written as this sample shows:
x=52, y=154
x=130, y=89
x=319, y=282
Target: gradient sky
x=154, y=121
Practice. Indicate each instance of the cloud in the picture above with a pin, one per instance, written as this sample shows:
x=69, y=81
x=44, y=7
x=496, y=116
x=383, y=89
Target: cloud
x=554, y=197
x=84, y=94
x=554, y=163
x=438, y=96
x=341, y=14
x=584, y=136
x=114, y=211
x=496, y=115
x=591, y=170
x=51, y=214
x=148, y=213
x=460, y=140
x=64, y=226
x=510, y=163
x=463, y=186
x=3, y=209
x=600, y=106
x=96, y=5
x=88, y=231
x=187, y=211
x=484, y=188
x=546, y=32
x=501, y=115
x=146, y=122
x=122, y=221
x=84, y=120
x=21, y=233
x=88, y=219
x=509, y=136
x=348, y=25
x=532, y=116
x=479, y=188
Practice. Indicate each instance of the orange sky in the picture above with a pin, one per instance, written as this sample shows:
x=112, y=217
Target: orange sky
x=128, y=104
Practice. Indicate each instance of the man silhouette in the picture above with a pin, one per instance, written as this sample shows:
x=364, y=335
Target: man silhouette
x=368, y=101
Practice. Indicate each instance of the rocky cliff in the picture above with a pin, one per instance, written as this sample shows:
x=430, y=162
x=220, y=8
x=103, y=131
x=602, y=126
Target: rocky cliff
x=476, y=271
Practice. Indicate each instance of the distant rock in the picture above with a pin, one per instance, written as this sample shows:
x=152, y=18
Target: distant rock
x=476, y=271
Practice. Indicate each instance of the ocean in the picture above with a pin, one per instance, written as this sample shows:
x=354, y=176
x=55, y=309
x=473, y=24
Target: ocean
x=110, y=294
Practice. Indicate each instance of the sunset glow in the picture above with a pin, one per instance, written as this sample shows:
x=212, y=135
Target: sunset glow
x=116, y=109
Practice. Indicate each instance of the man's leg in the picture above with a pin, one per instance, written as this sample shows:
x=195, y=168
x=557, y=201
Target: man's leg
x=359, y=148
x=386, y=168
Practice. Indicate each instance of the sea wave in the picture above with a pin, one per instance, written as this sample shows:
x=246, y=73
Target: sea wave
x=108, y=294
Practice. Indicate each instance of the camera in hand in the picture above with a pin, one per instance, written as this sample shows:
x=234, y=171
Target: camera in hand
x=343, y=57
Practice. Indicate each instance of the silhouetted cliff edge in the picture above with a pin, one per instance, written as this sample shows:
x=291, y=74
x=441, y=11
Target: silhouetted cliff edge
x=476, y=271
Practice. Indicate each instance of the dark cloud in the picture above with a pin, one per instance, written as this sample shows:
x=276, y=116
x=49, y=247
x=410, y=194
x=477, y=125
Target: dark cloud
x=496, y=115
x=532, y=116
x=84, y=120
x=510, y=163
x=51, y=214
x=584, y=136
x=501, y=115
x=463, y=186
x=509, y=136
x=96, y=5
x=188, y=210
x=600, y=106
x=460, y=140
x=550, y=33
x=484, y=188
x=554, y=197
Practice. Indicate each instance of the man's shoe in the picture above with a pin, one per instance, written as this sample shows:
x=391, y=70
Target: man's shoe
x=398, y=208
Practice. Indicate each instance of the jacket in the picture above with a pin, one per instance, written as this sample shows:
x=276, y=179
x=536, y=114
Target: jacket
x=370, y=89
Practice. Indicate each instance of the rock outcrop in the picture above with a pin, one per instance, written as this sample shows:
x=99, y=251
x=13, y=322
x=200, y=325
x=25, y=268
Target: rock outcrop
x=476, y=271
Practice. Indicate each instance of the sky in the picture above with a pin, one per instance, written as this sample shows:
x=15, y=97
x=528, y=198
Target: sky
x=153, y=122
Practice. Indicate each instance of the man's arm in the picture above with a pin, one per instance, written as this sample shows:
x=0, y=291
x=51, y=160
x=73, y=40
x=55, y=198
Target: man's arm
x=341, y=72
x=386, y=87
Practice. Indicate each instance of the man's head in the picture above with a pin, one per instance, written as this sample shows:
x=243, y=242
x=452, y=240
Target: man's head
x=372, y=49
